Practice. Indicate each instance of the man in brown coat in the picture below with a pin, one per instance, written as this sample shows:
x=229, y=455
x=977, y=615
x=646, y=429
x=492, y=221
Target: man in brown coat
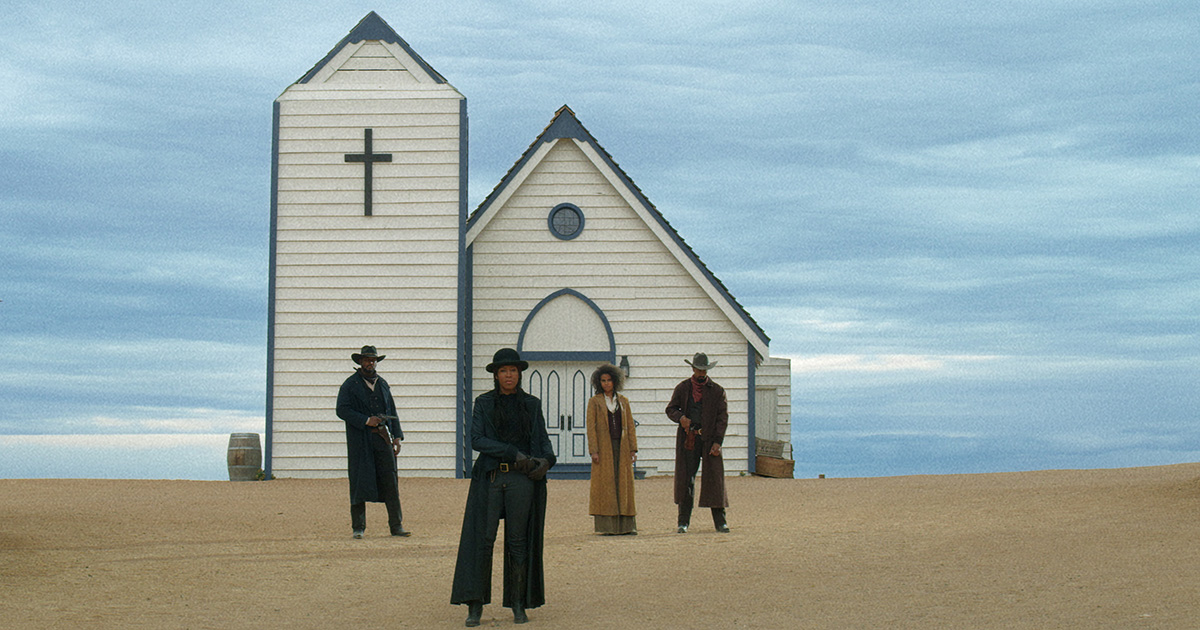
x=698, y=406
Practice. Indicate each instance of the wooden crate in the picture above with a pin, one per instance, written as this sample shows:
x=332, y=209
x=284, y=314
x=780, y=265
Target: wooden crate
x=774, y=467
x=769, y=448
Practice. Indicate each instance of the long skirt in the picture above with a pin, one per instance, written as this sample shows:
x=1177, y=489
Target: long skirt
x=617, y=524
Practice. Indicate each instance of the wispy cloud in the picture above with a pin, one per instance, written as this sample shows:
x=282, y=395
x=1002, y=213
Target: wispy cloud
x=827, y=363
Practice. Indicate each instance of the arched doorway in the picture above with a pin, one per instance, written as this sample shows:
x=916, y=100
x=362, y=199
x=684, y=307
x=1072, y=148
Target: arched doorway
x=564, y=338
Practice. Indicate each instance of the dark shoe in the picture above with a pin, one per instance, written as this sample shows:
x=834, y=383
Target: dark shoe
x=682, y=529
x=400, y=531
x=519, y=615
x=474, y=612
x=358, y=533
x=723, y=528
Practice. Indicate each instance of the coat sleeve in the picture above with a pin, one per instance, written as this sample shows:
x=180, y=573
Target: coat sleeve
x=592, y=435
x=393, y=425
x=722, y=417
x=675, y=408
x=630, y=427
x=481, y=417
x=348, y=409
x=541, y=438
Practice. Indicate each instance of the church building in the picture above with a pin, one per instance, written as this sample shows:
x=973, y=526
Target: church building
x=373, y=243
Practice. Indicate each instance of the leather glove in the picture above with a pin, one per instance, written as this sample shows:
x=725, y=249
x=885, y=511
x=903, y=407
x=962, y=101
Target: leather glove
x=541, y=466
x=523, y=464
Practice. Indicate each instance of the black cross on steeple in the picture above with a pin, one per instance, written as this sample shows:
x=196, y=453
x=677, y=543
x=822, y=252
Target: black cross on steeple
x=368, y=158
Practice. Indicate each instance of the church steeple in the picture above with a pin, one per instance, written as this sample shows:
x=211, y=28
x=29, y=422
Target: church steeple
x=373, y=28
x=368, y=181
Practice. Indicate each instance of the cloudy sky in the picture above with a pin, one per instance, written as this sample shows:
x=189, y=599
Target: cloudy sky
x=972, y=226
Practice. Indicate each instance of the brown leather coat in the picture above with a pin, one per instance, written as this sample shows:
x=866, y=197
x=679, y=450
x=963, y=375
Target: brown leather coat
x=713, y=421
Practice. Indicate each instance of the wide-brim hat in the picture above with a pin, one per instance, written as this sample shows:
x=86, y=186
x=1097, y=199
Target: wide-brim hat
x=700, y=362
x=507, y=356
x=367, y=352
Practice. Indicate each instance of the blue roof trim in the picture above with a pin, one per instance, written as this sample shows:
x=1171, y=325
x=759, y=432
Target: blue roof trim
x=372, y=28
x=560, y=127
x=596, y=355
x=566, y=125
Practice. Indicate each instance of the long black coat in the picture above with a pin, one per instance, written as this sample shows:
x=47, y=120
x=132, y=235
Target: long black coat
x=714, y=418
x=470, y=584
x=352, y=407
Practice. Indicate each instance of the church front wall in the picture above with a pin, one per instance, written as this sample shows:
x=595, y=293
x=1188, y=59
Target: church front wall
x=658, y=312
x=343, y=280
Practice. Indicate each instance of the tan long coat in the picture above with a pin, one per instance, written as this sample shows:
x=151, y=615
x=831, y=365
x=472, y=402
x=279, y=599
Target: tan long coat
x=603, y=497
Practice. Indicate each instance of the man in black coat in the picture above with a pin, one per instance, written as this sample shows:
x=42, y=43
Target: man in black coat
x=508, y=481
x=373, y=438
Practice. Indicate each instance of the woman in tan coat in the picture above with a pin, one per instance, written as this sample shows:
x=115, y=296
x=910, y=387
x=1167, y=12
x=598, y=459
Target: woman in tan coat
x=612, y=442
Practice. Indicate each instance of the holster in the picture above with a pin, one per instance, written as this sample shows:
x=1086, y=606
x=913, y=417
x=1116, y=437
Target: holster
x=383, y=432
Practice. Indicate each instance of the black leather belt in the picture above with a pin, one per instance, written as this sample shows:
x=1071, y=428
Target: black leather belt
x=503, y=469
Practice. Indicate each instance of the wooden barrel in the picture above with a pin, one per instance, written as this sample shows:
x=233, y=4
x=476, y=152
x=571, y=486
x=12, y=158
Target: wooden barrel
x=245, y=456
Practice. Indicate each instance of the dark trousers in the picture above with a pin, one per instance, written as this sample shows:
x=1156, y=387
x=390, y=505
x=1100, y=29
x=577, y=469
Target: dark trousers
x=510, y=497
x=385, y=481
x=691, y=465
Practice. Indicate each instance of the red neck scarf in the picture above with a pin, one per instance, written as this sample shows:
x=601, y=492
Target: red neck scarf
x=698, y=387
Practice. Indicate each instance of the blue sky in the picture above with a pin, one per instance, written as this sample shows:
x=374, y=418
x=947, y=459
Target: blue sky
x=973, y=227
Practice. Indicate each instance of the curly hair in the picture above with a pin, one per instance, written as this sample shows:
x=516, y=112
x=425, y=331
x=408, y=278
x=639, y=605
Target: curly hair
x=618, y=377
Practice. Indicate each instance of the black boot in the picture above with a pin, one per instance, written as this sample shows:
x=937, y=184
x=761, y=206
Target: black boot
x=520, y=582
x=474, y=612
x=685, y=517
x=719, y=520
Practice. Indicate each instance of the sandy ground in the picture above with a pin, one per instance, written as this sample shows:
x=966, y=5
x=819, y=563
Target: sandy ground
x=1058, y=549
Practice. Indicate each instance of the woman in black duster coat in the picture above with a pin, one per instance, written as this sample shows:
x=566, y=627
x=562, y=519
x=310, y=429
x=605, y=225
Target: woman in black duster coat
x=508, y=481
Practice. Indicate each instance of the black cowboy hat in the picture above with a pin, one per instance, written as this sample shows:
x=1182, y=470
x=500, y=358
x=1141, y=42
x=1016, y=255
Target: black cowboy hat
x=367, y=352
x=700, y=362
x=506, y=356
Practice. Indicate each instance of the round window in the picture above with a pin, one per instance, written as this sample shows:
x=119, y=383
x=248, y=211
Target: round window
x=566, y=221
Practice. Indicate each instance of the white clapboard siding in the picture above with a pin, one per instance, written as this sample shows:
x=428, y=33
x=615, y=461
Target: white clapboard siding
x=518, y=262
x=343, y=280
x=776, y=374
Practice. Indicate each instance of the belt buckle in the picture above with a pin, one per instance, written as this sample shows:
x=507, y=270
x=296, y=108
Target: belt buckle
x=503, y=467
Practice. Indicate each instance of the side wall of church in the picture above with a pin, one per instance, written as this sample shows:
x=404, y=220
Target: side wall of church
x=342, y=280
x=775, y=375
x=658, y=312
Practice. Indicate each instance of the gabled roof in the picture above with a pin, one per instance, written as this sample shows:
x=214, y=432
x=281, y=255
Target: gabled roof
x=372, y=28
x=566, y=125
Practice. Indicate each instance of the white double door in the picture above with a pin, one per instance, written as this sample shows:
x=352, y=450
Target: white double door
x=564, y=391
